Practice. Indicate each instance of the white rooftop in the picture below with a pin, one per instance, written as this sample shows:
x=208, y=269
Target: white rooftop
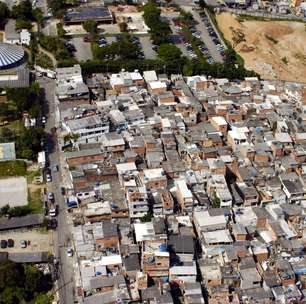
x=126, y=167
x=219, y=236
x=153, y=173
x=157, y=84
x=144, y=231
x=204, y=219
x=219, y=120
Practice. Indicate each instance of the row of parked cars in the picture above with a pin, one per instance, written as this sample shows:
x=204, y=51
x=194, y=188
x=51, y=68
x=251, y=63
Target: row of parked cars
x=213, y=34
x=182, y=39
x=10, y=243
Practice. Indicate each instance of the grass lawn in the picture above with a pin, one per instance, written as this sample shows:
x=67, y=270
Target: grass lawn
x=32, y=174
x=15, y=126
x=13, y=168
x=35, y=202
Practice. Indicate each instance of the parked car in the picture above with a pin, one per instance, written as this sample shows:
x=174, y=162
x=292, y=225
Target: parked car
x=88, y=39
x=23, y=244
x=69, y=252
x=48, y=178
x=52, y=224
x=55, y=168
x=10, y=243
x=3, y=244
x=50, y=196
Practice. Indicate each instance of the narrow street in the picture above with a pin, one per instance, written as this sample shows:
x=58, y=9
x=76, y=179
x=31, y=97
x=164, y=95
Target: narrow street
x=61, y=237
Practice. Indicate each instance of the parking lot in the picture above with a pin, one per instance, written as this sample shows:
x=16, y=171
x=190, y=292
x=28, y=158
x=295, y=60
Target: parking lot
x=82, y=49
x=147, y=47
x=37, y=240
x=209, y=36
x=177, y=39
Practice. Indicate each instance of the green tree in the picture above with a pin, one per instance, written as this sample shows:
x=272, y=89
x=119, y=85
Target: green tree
x=146, y=218
x=28, y=143
x=90, y=26
x=188, y=68
x=11, y=295
x=169, y=52
x=43, y=299
x=23, y=24
x=60, y=30
x=23, y=10
x=57, y=7
x=230, y=57
x=216, y=201
x=38, y=15
x=159, y=30
x=25, y=99
x=32, y=278
x=21, y=283
x=4, y=210
x=11, y=275
x=7, y=134
x=4, y=11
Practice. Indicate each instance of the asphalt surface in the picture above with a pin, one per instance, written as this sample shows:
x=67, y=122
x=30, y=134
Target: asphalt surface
x=83, y=49
x=147, y=47
x=206, y=38
x=61, y=237
x=180, y=45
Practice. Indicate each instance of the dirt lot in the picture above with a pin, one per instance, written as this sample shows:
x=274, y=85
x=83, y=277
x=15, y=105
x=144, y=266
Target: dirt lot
x=274, y=49
x=39, y=241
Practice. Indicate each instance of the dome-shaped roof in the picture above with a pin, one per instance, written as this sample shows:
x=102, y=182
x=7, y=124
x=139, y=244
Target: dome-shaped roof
x=10, y=54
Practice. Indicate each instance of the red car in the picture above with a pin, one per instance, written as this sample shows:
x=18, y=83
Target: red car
x=87, y=39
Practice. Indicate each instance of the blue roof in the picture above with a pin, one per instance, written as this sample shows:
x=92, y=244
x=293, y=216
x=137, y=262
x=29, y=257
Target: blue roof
x=7, y=151
x=10, y=54
x=87, y=13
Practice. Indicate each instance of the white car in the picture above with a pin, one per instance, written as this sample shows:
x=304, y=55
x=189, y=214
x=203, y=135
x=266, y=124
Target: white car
x=50, y=196
x=48, y=178
x=69, y=252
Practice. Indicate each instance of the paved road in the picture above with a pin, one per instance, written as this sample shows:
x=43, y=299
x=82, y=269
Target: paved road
x=206, y=38
x=62, y=235
x=83, y=49
x=147, y=47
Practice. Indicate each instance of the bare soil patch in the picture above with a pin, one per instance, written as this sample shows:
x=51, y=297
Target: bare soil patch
x=274, y=49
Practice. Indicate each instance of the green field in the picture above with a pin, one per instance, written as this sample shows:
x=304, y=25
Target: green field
x=13, y=168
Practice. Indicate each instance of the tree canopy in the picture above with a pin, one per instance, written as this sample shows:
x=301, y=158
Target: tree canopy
x=28, y=144
x=90, y=26
x=4, y=11
x=25, y=99
x=159, y=30
x=23, y=284
x=169, y=52
x=123, y=49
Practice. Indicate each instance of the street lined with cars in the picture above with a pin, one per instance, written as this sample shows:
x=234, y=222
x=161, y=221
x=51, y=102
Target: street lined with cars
x=209, y=36
x=57, y=209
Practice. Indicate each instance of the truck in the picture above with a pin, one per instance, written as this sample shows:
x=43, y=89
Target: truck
x=41, y=159
x=49, y=73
